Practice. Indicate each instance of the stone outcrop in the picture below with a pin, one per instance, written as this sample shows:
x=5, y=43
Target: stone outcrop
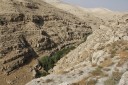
x=30, y=29
x=101, y=60
x=35, y=27
x=124, y=79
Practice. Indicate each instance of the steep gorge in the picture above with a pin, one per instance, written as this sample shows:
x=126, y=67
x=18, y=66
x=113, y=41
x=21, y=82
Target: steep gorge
x=30, y=29
x=102, y=59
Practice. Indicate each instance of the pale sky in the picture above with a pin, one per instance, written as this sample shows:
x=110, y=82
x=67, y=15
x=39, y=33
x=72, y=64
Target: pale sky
x=115, y=5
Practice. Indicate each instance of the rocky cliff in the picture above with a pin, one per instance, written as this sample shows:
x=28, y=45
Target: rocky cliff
x=101, y=60
x=33, y=28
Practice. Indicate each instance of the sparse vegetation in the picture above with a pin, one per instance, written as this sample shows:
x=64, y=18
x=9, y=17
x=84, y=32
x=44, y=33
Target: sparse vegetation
x=49, y=80
x=48, y=62
x=106, y=63
x=117, y=76
x=121, y=62
x=110, y=81
x=81, y=72
x=91, y=82
x=40, y=73
x=114, y=80
x=123, y=54
x=62, y=72
x=97, y=72
x=100, y=48
x=81, y=82
x=116, y=47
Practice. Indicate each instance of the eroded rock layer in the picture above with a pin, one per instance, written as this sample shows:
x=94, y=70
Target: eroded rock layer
x=34, y=27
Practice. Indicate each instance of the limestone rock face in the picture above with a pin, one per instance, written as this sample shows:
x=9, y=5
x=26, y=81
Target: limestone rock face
x=124, y=79
x=34, y=27
x=30, y=29
x=101, y=60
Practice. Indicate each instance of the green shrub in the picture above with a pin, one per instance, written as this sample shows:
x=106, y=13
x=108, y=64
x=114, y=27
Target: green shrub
x=48, y=62
x=40, y=73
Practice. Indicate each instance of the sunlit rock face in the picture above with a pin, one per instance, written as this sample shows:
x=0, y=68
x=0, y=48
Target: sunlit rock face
x=102, y=59
x=30, y=29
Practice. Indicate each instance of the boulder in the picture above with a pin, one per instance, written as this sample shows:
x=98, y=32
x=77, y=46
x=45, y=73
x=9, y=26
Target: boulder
x=124, y=79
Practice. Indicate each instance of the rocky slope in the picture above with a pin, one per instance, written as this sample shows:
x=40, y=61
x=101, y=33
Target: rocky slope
x=101, y=60
x=92, y=16
x=30, y=29
x=85, y=15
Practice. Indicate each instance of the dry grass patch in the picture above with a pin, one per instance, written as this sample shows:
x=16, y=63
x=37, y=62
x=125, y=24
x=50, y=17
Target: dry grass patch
x=110, y=81
x=106, y=69
x=49, y=80
x=117, y=75
x=94, y=64
x=121, y=62
x=61, y=72
x=114, y=80
x=82, y=82
x=97, y=72
x=85, y=82
x=116, y=47
x=91, y=82
x=123, y=54
x=123, y=58
x=106, y=63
